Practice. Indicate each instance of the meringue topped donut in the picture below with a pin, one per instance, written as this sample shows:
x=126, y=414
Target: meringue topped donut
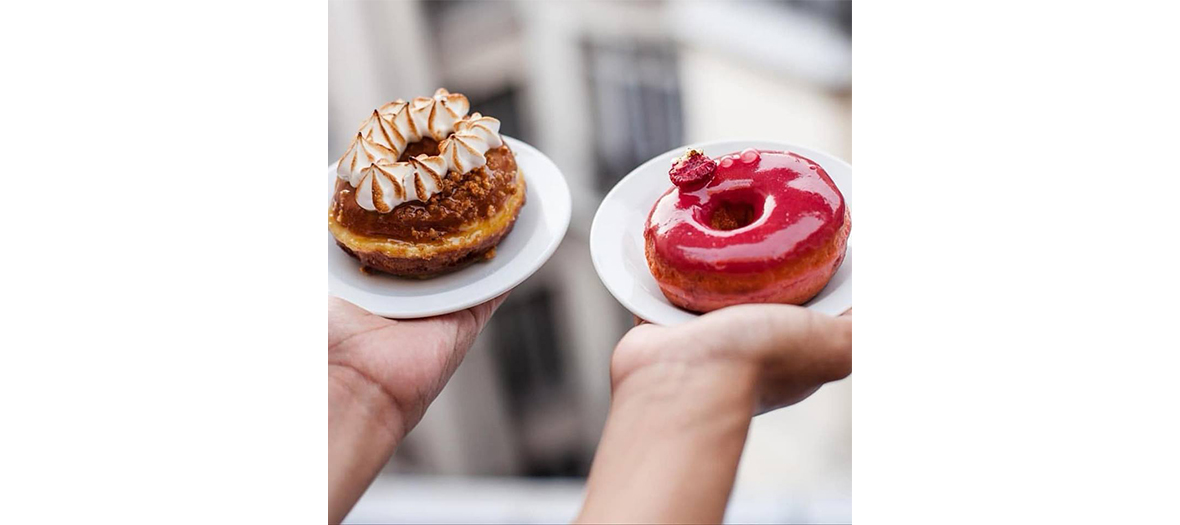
x=750, y=227
x=424, y=188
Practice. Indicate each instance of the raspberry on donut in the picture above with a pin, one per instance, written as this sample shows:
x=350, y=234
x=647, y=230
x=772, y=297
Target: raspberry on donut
x=691, y=169
x=751, y=227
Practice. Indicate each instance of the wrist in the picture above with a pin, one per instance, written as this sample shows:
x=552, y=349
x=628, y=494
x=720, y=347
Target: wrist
x=689, y=403
x=352, y=395
x=672, y=443
x=721, y=384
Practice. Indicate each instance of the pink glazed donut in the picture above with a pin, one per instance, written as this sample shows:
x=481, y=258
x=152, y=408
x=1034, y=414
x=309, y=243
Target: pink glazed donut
x=750, y=227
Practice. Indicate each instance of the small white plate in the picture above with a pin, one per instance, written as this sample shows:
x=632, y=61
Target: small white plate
x=539, y=229
x=616, y=237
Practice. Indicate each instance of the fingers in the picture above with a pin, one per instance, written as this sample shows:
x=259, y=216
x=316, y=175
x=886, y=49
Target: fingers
x=778, y=334
x=483, y=312
x=346, y=319
x=468, y=323
x=837, y=353
x=823, y=341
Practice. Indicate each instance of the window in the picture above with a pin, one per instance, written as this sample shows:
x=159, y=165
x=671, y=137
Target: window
x=637, y=105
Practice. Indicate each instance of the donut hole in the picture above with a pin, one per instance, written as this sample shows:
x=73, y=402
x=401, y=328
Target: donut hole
x=425, y=146
x=731, y=215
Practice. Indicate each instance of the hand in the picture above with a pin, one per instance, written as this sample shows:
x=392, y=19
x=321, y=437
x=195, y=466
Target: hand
x=382, y=374
x=787, y=351
x=681, y=402
x=409, y=361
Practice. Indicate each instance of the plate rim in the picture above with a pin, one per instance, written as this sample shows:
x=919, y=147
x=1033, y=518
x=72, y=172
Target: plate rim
x=594, y=224
x=476, y=299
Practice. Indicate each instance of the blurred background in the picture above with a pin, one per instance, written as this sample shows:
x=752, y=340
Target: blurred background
x=599, y=87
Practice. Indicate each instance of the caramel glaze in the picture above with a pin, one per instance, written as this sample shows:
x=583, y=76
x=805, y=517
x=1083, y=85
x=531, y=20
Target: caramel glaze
x=463, y=198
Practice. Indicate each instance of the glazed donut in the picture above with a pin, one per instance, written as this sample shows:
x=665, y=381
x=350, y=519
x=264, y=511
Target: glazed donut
x=750, y=227
x=425, y=189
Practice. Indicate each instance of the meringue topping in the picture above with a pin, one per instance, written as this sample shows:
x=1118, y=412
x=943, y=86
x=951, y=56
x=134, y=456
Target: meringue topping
x=370, y=164
x=380, y=131
x=398, y=115
x=384, y=185
x=359, y=155
x=473, y=138
x=436, y=116
x=425, y=177
x=379, y=189
x=487, y=128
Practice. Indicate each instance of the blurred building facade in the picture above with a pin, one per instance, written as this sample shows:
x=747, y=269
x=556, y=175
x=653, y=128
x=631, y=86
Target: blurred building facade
x=600, y=87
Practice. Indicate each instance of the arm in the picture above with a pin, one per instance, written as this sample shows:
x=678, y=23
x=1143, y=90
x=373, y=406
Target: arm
x=682, y=400
x=364, y=429
x=670, y=447
x=382, y=374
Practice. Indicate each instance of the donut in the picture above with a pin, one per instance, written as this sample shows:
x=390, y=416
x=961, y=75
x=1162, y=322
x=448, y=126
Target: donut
x=425, y=189
x=750, y=227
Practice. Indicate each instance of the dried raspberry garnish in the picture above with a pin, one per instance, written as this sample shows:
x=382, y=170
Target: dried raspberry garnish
x=691, y=169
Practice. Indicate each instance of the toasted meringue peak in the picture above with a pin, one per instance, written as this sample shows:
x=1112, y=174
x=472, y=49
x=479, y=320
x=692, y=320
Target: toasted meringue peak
x=427, y=176
x=380, y=189
x=434, y=167
x=464, y=152
x=359, y=155
x=380, y=131
x=436, y=116
x=389, y=109
x=473, y=137
x=487, y=128
x=397, y=113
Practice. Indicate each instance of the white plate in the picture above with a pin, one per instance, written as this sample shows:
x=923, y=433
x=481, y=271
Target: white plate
x=539, y=229
x=616, y=237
